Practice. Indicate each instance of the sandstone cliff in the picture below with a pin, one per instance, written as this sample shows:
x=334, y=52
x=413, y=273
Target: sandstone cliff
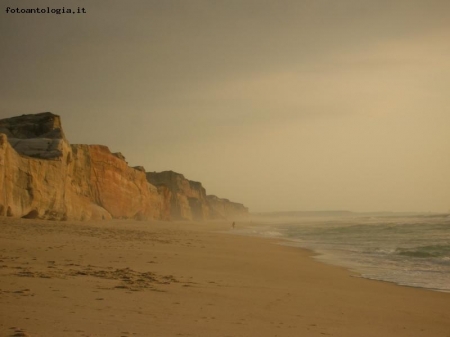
x=43, y=176
x=225, y=209
x=185, y=199
x=39, y=135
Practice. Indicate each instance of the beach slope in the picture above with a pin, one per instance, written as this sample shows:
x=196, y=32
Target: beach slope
x=126, y=278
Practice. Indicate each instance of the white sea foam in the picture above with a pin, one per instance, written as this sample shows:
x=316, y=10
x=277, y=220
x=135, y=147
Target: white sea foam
x=411, y=251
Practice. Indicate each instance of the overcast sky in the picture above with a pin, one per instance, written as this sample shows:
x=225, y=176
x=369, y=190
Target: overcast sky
x=280, y=105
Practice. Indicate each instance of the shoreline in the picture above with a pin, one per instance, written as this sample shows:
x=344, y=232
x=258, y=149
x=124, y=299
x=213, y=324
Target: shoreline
x=325, y=257
x=124, y=278
x=354, y=273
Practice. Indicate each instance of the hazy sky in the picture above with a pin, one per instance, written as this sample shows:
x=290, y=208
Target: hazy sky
x=280, y=105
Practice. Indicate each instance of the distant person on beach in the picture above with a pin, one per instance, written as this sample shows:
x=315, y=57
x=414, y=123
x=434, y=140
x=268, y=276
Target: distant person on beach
x=233, y=224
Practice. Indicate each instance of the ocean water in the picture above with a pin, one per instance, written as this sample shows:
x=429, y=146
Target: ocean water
x=410, y=251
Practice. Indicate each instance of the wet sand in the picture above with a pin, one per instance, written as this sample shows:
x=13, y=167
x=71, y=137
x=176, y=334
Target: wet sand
x=125, y=278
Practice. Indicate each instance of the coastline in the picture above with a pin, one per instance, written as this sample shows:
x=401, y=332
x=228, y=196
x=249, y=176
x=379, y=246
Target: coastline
x=126, y=278
x=379, y=261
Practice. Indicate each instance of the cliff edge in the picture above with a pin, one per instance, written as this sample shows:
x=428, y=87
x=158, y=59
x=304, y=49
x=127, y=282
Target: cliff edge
x=43, y=176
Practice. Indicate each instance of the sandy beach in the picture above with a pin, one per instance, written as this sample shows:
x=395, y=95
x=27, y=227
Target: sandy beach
x=126, y=278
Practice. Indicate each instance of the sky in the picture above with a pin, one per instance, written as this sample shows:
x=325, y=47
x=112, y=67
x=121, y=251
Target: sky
x=283, y=105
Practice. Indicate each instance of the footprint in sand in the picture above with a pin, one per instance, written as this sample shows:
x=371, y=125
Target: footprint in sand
x=19, y=333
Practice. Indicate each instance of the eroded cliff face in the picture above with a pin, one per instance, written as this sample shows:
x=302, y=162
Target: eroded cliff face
x=43, y=176
x=186, y=199
x=28, y=185
x=109, y=182
x=78, y=182
x=225, y=209
x=39, y=135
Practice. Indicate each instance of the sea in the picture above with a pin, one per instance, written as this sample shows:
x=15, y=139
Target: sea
x=409, y=250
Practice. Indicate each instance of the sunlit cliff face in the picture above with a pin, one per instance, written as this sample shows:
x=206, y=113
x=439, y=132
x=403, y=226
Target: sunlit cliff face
x=281, y=105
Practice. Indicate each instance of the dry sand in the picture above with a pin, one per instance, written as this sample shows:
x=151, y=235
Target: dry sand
x=123, y=278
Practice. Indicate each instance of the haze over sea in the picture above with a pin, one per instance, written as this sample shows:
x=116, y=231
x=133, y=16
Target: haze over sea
x=407, y=249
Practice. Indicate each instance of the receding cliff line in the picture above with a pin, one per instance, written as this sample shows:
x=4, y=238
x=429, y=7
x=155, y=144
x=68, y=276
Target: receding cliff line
x=187, y=200
x=43, y=176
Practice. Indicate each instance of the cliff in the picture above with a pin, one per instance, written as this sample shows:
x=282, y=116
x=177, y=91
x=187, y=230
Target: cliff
x=225, y=209
x=185, y=199
x=43, y=176
x=39, y=136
